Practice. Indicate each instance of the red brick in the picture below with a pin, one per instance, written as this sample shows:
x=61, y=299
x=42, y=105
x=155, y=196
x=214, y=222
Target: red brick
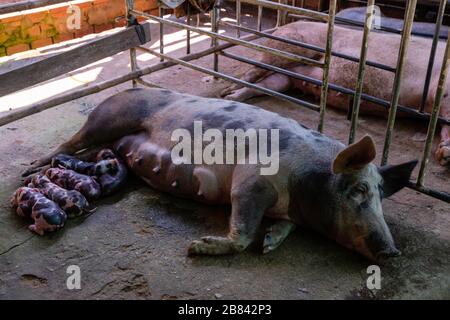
x=84, y=31
x=17, y=48
x=63, y=37
x=41, y=43
x=103, y=27
x=35, y=31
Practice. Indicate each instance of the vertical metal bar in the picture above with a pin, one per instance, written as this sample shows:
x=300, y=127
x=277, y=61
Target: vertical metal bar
x=435, y=113
x=279, y=15
x=238, y=17
x=361, y=70
x=259, y=21
x=129, y=5
x=326, y=67
x=437, y=31
x=161, y=34
x=188, y=32
x=215, y=28
x=406, y=33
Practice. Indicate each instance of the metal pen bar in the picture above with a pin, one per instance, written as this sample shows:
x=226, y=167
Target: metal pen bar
x=236, y=80
x=238, y=17
x=434, y=115
x=361, y=70
x=309, y=46
x=255, y=46
x=188, y=33
x=377, y=101
x=215, y=28
x=326, y=66
x=161, y=33
x=407, y=26
x=277, y=6
x=441, y=195
x=259, y=19
x=129, y=5
x=434, y=45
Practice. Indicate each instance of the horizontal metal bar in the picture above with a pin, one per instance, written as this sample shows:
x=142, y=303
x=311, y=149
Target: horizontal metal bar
x=441, y=195
x=27, y=5
x=309, y=46
x=284, y=7
x=258, y=47
x=235, y=80
x=377, y=101
x=63, y=98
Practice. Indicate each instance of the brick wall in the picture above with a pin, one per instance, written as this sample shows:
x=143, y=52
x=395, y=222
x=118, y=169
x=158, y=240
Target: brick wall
x=30, y=29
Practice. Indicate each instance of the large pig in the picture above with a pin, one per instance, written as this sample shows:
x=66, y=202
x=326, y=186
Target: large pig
x=383, y=48
x=320, y=183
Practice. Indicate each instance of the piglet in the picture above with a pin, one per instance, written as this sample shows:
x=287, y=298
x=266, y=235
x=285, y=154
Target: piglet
x=47, y=215
x=104, y=166
x=111, y=181
x=71, y=201
x=71, y=180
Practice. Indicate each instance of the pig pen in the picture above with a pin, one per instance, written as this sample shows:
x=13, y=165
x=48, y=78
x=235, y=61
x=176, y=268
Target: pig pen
x=135, y=245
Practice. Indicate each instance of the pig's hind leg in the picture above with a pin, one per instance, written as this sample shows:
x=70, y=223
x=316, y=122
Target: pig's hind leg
x=249, y=204
x=252, y=75
x=276, y=235
x=276, y=82
x=443, y=150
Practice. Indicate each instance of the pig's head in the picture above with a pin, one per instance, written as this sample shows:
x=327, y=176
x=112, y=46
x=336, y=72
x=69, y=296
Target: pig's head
x=359, y=187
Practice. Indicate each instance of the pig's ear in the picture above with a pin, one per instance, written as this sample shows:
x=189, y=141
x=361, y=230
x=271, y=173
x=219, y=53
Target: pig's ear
x=396, y=177
x=355, y=157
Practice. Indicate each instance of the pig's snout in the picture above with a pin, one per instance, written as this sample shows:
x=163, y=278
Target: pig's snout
x=381, y=245
x=389, y=253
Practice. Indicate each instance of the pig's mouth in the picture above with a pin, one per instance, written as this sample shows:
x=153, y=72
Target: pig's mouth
x=387, y=253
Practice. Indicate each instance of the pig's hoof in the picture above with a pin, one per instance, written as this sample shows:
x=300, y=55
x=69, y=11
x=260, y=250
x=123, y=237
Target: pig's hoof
x=228, y=91
x=276, y=234
x=443, y=153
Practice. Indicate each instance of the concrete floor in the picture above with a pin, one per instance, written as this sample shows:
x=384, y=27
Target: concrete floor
x=134, y=246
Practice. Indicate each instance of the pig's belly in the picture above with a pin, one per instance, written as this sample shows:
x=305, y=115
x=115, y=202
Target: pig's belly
x=153, y=164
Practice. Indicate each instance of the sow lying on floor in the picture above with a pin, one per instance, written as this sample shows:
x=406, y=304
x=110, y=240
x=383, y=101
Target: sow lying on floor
x=320, y=183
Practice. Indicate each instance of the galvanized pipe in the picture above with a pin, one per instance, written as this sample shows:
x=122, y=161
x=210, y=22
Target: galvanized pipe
x=407, y=26
x=259, y=19
x=277, y=6
x=377, y=101
x=255, y=46
x=129, y=5
x=161, y=33
x=215, y=28
x=326, y=65
x=361, y=70
x=309, y=46
x=434, y=115
x=434, y=45
x=188, y=33
x=235, y=80
x=238, y=17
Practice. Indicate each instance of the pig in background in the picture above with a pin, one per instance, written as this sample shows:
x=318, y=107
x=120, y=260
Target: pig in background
x=383, y=48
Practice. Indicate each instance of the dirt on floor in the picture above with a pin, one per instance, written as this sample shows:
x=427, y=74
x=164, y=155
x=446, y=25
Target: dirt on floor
x=134, y=246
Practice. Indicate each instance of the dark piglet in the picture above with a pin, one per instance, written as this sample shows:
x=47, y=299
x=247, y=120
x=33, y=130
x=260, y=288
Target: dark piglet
x=47, y=215
x=71, y=180
x=71, y=201
x=107, y=166
x=111, y=182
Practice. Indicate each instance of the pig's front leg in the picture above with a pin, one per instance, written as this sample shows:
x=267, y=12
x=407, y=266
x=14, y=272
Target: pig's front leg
x=276, y=234
x=249, y=201
x=443, y=150
x=276, y=82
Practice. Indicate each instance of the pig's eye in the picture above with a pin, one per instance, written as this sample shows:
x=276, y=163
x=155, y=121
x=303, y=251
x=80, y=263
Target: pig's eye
x=360, y=189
